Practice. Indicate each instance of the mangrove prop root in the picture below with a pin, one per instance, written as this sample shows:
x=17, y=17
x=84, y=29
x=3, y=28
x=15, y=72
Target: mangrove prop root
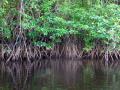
x=30, y=52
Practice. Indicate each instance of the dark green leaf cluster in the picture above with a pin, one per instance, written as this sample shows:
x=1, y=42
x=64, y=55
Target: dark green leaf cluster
x=46, y=22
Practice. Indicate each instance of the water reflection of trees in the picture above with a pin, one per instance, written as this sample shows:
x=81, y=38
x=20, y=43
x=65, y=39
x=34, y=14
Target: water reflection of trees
x=87, y=75
x=59, y=74
x=19, y=74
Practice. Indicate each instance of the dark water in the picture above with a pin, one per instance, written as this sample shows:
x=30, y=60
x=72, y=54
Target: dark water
x=60, y=75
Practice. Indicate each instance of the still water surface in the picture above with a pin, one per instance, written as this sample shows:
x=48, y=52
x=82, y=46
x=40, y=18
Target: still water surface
x=60, y=75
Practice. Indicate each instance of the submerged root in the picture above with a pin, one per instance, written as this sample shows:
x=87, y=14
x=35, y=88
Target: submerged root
x=67, y=51
x=20, y=53
x=70, y=51
x=112, y=56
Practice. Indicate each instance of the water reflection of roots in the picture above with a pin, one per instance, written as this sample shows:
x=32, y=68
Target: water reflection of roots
x=20, y=73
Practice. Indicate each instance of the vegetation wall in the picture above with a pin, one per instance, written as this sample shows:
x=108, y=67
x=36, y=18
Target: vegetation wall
x=60, y=28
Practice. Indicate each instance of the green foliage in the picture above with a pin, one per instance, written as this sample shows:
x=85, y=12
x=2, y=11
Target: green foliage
x=45, y=22
x=97, y=22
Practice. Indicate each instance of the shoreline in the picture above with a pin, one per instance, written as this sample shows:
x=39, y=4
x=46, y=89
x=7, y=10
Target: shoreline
x=33, y=52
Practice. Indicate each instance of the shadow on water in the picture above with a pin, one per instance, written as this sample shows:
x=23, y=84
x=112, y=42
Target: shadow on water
x=60, y=75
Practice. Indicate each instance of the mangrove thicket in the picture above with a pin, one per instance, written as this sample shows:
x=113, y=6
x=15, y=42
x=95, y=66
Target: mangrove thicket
x=59, y=28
